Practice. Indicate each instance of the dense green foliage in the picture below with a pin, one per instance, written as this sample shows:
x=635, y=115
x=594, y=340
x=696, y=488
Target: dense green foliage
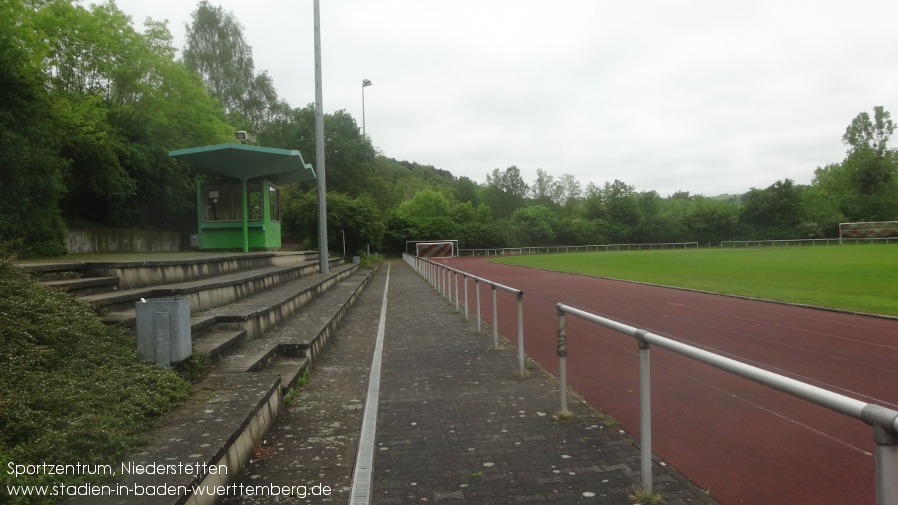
x=851, y=277
x=73, y=390
x=90, y=107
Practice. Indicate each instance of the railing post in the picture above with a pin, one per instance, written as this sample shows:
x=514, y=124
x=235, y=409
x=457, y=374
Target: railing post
x=562, y=359
x=495, y=319
x=886, y=466
x=645, y=413
x=521, y=331
x=477, y=291
x=448, y=289
x=465, y=280
x=455, y=274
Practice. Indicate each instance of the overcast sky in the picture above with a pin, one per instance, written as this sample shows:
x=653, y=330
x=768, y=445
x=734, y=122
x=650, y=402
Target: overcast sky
x=705, y=96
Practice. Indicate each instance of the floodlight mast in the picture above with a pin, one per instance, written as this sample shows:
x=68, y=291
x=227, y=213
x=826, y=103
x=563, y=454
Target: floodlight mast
x=323, y=263
x=365, y=84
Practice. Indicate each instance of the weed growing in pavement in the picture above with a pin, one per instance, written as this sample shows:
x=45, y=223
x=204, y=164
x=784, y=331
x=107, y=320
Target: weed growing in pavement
x=290, y=397
x=639, y=497
x=300, y=382
x=303, y=379
x=563, y=416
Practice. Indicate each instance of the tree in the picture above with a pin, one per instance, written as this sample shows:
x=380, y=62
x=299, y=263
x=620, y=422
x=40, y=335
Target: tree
x=505, y=191
x=869, y=161
x=866, y=134
x=543, y=188
x=774, y=212
x=621, y=203
x=427, y=203
x=357, y=217
x=30, y=132
x=349, y=157
x=864, y=187
x=535, y=225
x=466, y=190
x=568, y=190
x=217, y=50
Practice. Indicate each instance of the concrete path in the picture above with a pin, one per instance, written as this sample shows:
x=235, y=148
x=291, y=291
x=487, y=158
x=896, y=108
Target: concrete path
x=456, y=423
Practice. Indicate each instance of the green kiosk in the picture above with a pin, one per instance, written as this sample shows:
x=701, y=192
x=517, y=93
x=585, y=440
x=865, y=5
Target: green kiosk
x=238, y=206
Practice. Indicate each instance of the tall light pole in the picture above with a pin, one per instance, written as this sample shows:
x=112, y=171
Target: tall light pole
x=323, y=263
x=365, y=84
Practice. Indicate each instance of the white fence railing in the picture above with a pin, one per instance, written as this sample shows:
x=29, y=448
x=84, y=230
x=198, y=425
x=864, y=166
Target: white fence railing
x=805, y=242
x=503, y=251
x=883, y=420
x=442, y=278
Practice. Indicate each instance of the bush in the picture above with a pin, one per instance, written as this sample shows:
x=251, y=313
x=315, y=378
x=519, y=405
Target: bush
x=73, y=390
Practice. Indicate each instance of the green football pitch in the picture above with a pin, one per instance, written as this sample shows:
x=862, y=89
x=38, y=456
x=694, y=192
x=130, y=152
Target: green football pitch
x=861, y=278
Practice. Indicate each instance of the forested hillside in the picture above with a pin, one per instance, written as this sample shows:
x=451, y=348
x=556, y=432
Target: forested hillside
x=90, y=105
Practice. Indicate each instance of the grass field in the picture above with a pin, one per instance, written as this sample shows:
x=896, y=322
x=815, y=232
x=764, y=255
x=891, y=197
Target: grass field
x=861, y=278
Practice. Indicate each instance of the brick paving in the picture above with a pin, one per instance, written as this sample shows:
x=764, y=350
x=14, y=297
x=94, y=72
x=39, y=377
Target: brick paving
x=456, y=422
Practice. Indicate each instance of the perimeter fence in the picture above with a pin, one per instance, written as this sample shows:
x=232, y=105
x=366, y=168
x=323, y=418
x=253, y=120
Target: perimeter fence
x=517, y=251
x=883, y=420
x=807, y=242
x=442, y=277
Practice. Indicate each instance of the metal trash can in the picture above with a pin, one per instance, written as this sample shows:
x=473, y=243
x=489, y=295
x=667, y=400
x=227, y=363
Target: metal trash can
x=163, y=330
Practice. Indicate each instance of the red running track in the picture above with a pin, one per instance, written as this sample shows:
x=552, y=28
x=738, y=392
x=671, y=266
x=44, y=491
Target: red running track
x=744, y=442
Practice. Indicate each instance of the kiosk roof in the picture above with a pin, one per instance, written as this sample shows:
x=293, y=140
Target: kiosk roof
x=243, y=162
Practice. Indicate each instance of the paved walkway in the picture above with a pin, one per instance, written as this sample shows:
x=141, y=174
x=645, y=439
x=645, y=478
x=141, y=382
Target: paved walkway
x=455, y=422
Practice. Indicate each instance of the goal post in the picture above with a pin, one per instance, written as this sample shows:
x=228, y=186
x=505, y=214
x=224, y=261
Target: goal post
x=434, y=248
x=868, y=229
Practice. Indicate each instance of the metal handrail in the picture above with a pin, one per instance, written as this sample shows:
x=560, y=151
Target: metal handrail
x=883, y=420
x=439, y=276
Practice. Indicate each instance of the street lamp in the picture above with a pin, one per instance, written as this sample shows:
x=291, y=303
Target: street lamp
x=365, y=84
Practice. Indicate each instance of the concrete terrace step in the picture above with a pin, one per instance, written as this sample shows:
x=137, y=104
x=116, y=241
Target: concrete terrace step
x=55, y=271
x=160, y=272
x=85, y=285
x=222, y=425
x=303, y=335
x=216, y=341
x=265, y=310
x=124, y=299
x=203, y=294
x=216, y=431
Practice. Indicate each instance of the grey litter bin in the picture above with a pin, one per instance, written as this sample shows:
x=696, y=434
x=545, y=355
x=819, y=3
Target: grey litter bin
x=163, y=330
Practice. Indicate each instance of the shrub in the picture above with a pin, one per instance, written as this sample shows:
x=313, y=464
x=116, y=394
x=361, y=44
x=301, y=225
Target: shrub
x=73, y=390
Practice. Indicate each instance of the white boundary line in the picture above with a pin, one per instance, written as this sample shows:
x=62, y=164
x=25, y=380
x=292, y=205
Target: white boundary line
x=364, y=461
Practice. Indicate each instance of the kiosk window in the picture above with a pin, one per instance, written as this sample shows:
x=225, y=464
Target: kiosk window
x=275, y=203
x=222, y=202
x=254, y=202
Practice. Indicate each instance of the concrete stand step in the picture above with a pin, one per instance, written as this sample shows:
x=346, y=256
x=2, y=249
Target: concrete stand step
x=201, y=444
x=207, y=441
